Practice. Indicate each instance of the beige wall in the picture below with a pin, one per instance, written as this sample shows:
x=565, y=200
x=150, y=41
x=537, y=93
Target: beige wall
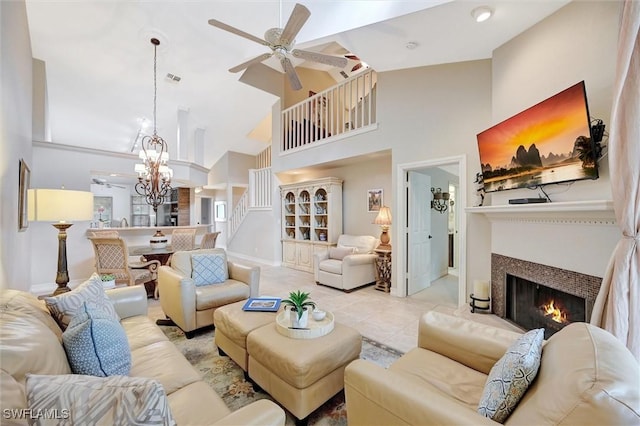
x=232, y=167
x=15, y=141
x=313, y=80
x=550, y=57
x=435, y=112
x=540, y=62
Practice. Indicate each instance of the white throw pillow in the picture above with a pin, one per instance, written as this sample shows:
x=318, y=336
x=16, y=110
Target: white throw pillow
x=511, y=376
x=65, y=305
x=339, y=253
x=86, y=400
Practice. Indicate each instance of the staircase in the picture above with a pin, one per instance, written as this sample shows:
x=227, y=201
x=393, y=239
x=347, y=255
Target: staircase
x=257, y=196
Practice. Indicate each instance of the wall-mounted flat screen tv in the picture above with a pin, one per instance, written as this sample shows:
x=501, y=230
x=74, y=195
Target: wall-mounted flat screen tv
x=548, y=143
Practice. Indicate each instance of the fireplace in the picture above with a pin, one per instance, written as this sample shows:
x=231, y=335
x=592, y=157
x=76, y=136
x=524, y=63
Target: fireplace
x=545, y=280
x=531, y=305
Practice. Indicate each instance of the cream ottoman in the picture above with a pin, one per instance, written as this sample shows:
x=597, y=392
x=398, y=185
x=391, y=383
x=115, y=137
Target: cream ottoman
x=232, y=325
x=301, y=374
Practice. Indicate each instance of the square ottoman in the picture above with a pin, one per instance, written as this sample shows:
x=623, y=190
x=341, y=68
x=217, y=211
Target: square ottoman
x=301, y=374
x=232, y=325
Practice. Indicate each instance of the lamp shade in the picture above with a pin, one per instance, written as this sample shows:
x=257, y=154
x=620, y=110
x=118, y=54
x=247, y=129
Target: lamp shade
x=384, y=216
x=59, y=205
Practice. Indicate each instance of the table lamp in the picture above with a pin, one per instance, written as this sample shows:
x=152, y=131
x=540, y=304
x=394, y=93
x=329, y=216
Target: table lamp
x=60, y=206
x=384, y=220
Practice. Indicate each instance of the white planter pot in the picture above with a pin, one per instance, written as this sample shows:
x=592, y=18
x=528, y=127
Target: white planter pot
x=109, y=284
x=302, y=322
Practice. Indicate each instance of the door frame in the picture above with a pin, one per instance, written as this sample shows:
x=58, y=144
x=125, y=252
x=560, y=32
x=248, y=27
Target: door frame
x=401, y=231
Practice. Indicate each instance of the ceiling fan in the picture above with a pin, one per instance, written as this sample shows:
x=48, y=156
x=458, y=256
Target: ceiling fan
x=281, y=41
x=102, y=181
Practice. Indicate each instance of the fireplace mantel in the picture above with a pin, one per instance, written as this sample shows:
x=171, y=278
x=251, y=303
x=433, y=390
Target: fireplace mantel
x=597, y=212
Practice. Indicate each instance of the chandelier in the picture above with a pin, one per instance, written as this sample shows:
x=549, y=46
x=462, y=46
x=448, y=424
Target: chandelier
x=154, y=176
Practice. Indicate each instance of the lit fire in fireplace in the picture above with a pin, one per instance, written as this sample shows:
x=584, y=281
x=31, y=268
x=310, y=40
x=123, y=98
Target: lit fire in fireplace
x=554, y=313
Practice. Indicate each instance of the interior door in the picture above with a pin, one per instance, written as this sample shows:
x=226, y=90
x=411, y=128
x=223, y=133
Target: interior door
x=418, y=232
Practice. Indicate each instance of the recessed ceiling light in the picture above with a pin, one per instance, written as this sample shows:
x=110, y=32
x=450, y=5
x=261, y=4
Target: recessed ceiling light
x=482, y=13
x=411, y=45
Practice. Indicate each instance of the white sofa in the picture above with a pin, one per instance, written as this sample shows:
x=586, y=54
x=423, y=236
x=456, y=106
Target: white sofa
x=353, y=270
x=31, y=344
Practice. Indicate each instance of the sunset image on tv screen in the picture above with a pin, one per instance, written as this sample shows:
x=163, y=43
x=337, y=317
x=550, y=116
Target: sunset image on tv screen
x=547, y=143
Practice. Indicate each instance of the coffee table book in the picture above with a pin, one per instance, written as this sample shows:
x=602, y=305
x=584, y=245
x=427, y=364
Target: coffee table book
x=262, y=304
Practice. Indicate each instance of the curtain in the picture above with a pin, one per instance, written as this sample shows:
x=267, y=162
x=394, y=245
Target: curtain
x=617, y=307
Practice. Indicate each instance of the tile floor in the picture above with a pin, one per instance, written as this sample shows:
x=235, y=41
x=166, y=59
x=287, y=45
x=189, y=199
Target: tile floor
x=375, y=314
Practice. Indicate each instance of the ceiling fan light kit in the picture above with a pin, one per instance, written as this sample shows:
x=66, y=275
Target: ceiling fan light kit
x=281, y=41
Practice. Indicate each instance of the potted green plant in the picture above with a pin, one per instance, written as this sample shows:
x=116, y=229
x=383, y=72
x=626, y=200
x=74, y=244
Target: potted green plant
x=299, y=303
x=108, y=280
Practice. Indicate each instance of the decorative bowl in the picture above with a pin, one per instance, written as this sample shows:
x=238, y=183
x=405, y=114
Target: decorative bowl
x=318, y=315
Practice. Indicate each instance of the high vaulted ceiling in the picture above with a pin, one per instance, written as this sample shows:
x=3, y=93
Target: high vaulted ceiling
x=99, y=59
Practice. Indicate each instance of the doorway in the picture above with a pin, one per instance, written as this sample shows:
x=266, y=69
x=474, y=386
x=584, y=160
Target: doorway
x=410, y=228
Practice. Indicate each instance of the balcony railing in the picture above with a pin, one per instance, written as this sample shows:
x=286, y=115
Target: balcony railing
x=338, y=111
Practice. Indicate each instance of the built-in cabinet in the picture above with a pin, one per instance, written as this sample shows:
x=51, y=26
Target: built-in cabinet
x=311, y=220
x=139, y=211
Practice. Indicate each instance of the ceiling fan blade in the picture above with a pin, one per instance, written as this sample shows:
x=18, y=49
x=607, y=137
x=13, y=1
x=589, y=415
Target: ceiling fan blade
x=236, y=31
x=336, y=61
x=291, y=73
x=297, y=19
x=250, y=62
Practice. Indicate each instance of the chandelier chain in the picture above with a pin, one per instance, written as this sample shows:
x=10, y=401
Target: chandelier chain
x=155, y=84
x=154, y=175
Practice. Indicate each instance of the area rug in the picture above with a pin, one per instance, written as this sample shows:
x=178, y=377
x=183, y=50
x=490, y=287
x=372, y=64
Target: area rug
x=227, y=379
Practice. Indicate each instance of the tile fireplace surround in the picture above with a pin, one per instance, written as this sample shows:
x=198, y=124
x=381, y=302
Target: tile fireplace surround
x=575, y=283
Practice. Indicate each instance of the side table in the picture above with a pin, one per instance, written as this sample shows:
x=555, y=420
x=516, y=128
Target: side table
x=383, y=270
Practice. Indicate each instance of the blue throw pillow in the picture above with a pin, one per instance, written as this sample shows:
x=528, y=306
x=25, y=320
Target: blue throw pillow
x=511, y=376
x=96, y=344
x=209, y=269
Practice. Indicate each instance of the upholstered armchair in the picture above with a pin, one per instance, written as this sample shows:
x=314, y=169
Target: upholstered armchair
x=112, y=257
x=585, y=377
x=200, y=281
x=183, y=239
x=349, y=265
x=209, y=240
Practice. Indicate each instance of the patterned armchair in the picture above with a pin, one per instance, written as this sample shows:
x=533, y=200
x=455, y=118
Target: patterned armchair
x=183, y=239
x=209, y=240
x=112, y=257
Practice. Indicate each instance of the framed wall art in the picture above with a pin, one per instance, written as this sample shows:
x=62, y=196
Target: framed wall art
x=374, y=200
x=23, y=186
x=103, y=210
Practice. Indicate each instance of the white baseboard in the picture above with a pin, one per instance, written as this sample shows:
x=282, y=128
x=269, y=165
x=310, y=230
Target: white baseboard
x=254, y=259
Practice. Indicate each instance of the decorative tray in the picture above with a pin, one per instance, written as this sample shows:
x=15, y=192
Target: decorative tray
x=314, y=328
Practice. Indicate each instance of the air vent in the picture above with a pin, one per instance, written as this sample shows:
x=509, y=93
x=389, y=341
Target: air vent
x=344, y=74
x=173, y=77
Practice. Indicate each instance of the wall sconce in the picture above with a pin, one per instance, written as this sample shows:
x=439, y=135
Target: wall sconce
x=440, y=200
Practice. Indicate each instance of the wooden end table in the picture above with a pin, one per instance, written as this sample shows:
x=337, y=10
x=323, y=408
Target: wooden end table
x=383, y=270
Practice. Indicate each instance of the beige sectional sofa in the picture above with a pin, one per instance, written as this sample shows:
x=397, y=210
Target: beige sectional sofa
x=586, y=377
x=31, y=343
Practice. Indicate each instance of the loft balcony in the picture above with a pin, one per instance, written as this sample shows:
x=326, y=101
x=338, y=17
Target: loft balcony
x=344, y=110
